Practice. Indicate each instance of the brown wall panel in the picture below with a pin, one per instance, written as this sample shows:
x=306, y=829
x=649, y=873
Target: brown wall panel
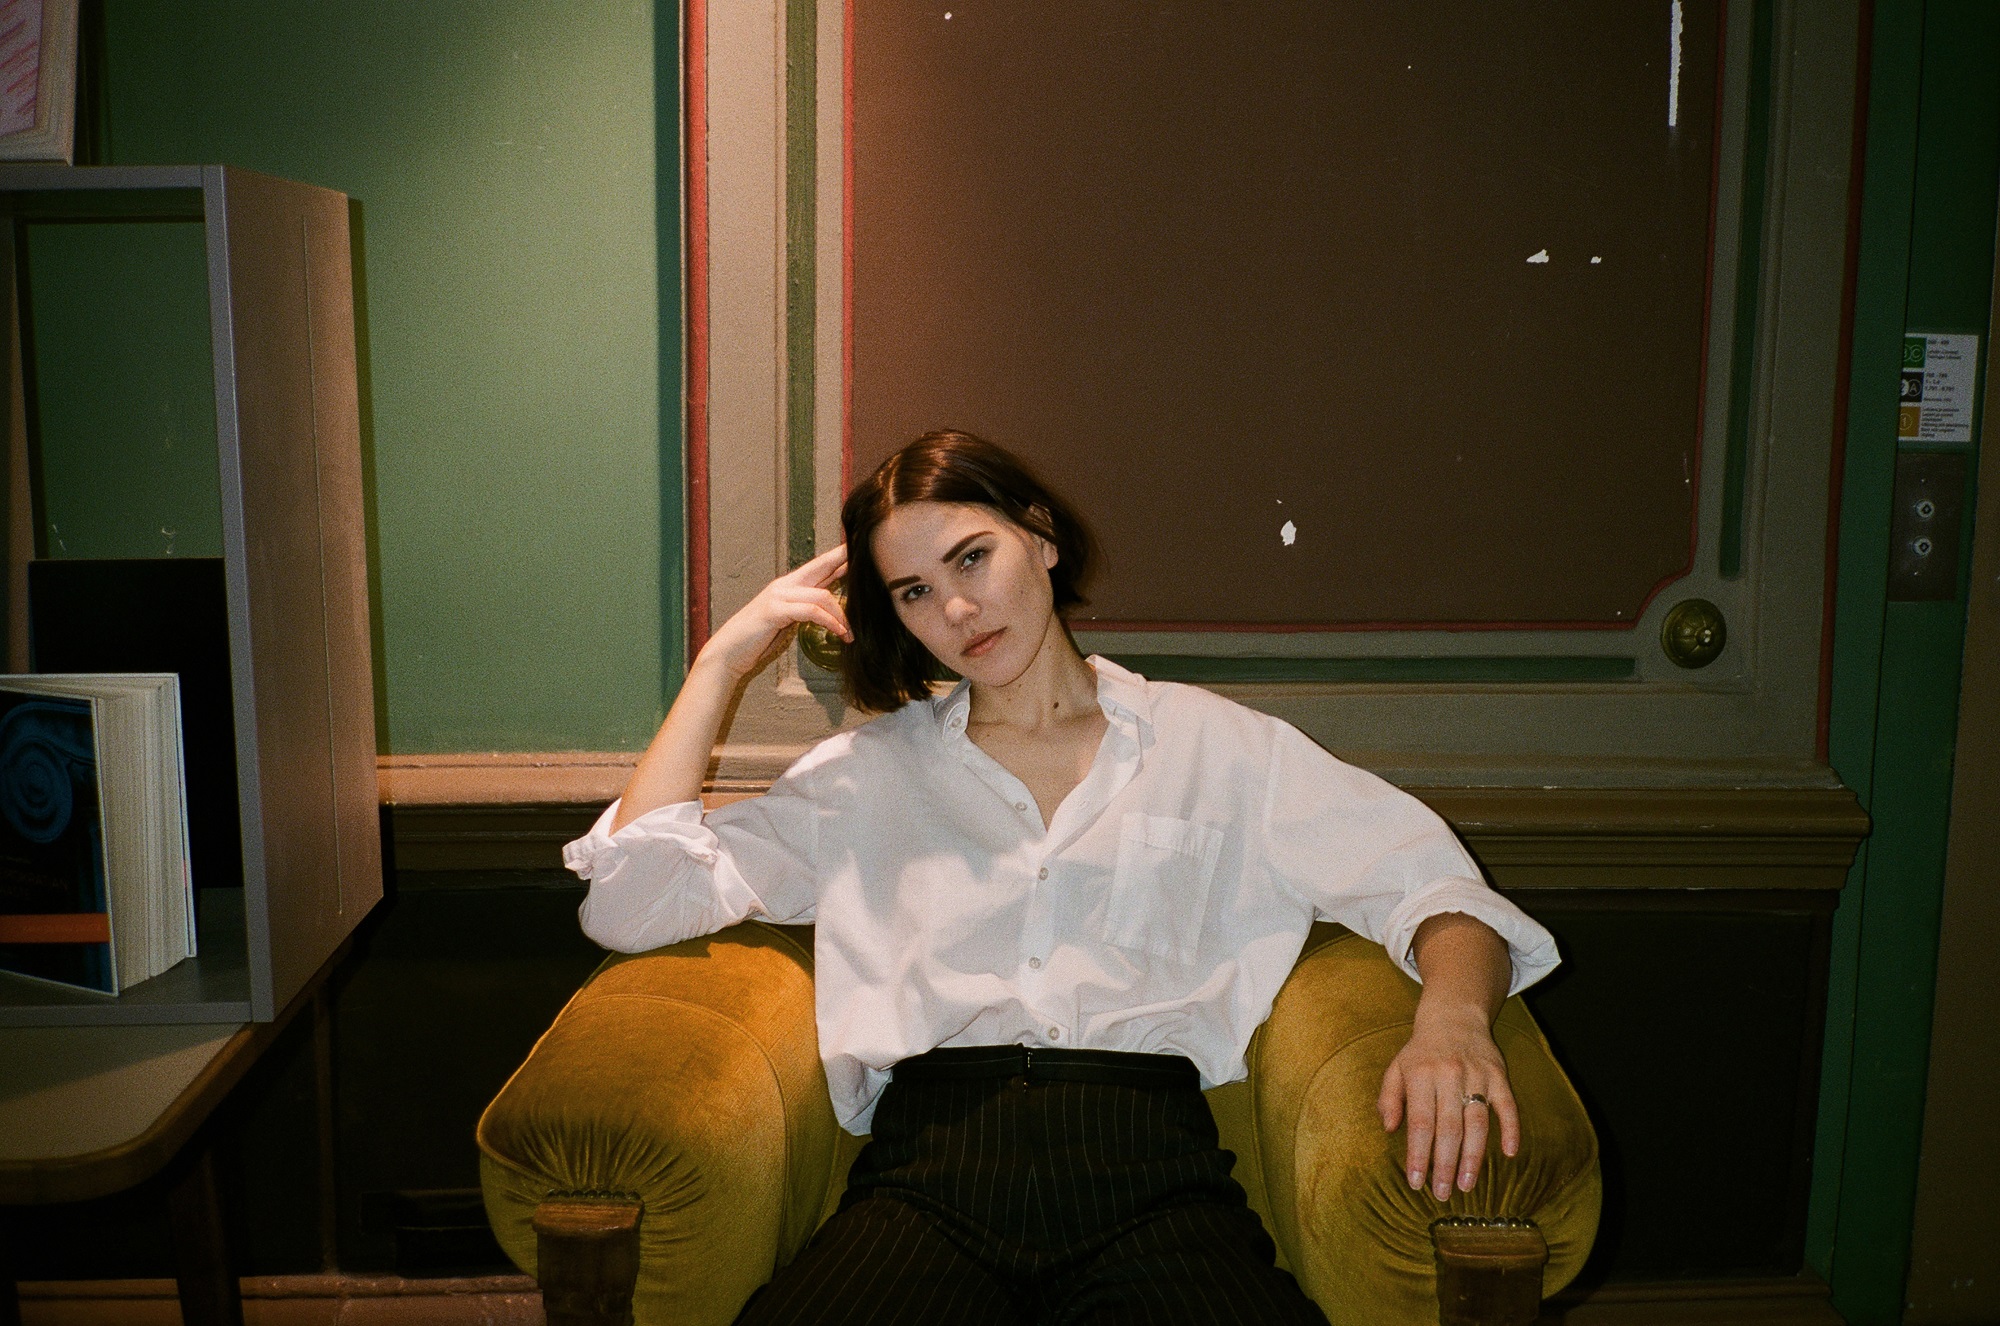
x=1214, y=268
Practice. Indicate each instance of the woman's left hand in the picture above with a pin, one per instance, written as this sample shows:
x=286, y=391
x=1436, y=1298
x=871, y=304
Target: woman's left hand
x=1449, y=1082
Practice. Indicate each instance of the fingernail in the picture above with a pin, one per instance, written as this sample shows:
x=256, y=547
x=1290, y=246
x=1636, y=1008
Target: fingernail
x=1465, y=1181
x=1416, y=1178
x=1443, y=1191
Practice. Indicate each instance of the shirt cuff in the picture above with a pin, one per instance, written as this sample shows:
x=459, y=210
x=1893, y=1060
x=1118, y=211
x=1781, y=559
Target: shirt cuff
x=585, y=855
x=1530, y=947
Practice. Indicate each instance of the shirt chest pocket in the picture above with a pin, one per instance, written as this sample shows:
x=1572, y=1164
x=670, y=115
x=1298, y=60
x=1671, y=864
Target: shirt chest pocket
x=1159, y=888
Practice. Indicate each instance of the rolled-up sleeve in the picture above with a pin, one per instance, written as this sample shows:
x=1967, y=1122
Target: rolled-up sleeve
x=1372, y=857
x=675, y=873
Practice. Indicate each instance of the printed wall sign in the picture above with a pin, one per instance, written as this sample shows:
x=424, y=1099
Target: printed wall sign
x=1940, y=379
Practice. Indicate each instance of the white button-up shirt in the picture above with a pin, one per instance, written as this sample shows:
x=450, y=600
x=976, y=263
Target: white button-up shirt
x=1159, y=911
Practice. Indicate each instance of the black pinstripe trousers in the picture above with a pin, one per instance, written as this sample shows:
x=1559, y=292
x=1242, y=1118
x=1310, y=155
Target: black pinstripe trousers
x=1005, y=1200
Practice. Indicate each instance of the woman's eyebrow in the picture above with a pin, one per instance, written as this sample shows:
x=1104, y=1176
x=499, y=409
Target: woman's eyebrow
x=951, y=554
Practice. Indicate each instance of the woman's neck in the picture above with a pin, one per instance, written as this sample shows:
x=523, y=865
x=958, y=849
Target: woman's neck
x=1058, y=686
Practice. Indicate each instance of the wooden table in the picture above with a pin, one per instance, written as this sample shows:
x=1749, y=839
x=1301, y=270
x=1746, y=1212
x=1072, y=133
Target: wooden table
x=90, y=1111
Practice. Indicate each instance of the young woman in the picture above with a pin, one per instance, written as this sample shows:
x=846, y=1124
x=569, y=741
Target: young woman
x=1052, y=904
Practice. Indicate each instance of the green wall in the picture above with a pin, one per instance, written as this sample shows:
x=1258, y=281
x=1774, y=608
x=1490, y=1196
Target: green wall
x=516, y=167
x=1926, y=264
x=126, y=390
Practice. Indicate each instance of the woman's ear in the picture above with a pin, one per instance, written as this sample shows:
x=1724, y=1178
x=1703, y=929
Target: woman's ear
x=1040, y=515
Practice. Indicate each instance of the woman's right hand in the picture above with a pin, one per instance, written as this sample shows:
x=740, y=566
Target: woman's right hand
x=749, y=639
x=672, y=768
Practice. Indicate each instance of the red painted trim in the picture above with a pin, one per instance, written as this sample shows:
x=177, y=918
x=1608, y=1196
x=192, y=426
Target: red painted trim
x=1843, y=373
x=846, y=247
x=56, y=928
x=695, y=146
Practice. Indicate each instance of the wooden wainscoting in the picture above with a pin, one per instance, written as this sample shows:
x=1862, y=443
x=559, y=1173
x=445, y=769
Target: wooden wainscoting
x=515, y=811
x=295, y=1300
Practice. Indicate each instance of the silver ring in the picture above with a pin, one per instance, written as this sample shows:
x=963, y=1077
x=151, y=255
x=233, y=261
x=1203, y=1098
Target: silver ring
x=1474, y=1099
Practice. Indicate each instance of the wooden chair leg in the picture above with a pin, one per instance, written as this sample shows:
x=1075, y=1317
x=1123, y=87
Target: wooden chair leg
x=1489, y=1272
x=587, y=1251
x=10, y=1294
x=204, y=1268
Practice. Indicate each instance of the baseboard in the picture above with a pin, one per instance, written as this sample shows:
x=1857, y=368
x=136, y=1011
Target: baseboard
x=513, y=1300
x=1787, y=1301
x=295, y=1300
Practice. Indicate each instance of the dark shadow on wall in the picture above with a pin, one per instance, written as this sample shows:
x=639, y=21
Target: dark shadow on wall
x=364, y=381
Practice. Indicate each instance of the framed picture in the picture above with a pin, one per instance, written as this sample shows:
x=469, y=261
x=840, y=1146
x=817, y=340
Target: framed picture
x=37, y=80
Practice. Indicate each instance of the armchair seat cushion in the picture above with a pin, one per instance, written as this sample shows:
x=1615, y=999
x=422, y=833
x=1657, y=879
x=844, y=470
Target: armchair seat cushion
x=689, y=1079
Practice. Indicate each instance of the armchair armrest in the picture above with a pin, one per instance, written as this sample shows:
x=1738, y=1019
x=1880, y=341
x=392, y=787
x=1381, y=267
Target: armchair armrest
x=1334, y=1179
x=687, y=1079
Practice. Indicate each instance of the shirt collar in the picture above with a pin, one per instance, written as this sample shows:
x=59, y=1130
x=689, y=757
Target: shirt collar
x=1121, y=693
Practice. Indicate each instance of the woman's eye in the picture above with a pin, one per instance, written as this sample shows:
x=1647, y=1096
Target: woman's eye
x=910, y=594
x=972, y=558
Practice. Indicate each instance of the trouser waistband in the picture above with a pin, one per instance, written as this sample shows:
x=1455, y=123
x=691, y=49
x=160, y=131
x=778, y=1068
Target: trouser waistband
x=1107, y=1067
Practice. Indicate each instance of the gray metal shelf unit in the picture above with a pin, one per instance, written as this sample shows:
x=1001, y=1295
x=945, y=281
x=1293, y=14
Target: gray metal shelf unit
x=281, y=314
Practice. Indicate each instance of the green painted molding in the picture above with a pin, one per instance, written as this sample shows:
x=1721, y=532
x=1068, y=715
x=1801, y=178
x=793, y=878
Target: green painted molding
x=801, y=272
x=1896, y=45
x=1926, y=262
x=1749, y=274
x=1440, y=668
x=669, y=230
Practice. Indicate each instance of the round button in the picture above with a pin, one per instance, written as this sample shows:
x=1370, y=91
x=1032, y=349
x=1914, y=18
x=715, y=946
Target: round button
x=1035, y=963
x=1043, y=873
x=1020, y=805
x=1055, y=1033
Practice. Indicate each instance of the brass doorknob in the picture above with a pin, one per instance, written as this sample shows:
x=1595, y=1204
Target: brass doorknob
x=1693, y=633
x=821, y=647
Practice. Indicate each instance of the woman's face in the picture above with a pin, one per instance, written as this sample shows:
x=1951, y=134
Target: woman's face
x=970, y=584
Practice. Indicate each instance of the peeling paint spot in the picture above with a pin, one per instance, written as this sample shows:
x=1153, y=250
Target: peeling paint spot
x=1540, y=255
x=1289, y=533
x=1674, y=61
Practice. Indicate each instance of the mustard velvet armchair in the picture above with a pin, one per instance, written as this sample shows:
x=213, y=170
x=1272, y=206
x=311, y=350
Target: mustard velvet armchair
x=669, y=1143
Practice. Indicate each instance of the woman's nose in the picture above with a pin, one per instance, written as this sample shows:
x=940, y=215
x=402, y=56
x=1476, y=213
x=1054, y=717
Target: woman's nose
x=959, y=608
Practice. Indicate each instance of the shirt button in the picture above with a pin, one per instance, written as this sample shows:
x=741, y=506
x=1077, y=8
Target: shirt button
x=1035, y=963
x=1055, y=1033
x=1043, y=873
x=1020, y=805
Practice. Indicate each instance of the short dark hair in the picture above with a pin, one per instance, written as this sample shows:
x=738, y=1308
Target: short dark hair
x=886, y=667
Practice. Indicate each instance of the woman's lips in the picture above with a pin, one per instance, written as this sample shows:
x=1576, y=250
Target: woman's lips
x=981, y=643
